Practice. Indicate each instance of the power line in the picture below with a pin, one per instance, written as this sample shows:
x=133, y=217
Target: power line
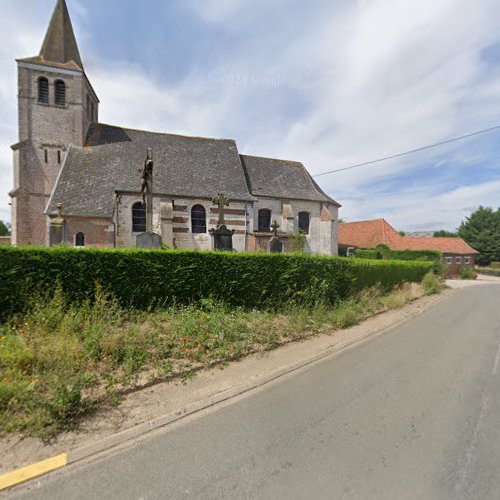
x=399, y=155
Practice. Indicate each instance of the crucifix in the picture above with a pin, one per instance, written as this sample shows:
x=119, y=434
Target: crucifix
x=275, y=226
x=222, y=202
x=147, y=189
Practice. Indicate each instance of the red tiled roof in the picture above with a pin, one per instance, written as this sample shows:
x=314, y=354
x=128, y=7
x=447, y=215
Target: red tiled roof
x=369, y=234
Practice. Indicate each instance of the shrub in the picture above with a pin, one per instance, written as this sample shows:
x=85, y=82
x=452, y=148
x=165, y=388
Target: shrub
x=467, y=273
x=297, y=240
x=432, y=284
x=495, y=265
x=143, y=279
x=384, y=252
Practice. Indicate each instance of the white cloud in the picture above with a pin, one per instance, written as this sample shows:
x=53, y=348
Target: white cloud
x=331, y=85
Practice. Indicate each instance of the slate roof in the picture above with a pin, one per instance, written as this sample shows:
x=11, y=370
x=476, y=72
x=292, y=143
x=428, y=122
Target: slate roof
x=369, y=234
x=183, y=166
x=269, y=177
x=59, y=48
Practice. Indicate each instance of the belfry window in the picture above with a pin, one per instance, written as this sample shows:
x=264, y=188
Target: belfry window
x=198, y=220
x=43, y=90
x=138, y=217
x=304, y=221
x=79, y=240
x=60, y=91
x=264, y=221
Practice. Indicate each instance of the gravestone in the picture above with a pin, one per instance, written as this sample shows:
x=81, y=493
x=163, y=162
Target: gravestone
x=223, y=237
x=57, y=228
x=275, y=245
x=149, y=240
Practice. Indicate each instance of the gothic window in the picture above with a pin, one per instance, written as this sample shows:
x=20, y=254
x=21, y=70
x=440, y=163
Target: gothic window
x=304, y=220
x=198, y=219
x=79, y=240
x=43, y=90
x=264, y=221
x=60, y=91
x=138, y=217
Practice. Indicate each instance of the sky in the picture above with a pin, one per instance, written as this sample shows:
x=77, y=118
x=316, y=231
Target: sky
x=330, y=83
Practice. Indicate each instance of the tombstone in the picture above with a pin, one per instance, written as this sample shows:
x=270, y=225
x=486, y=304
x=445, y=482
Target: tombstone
x=223, y=237
x=148, y=240
x=57, y=228
x=275, y=245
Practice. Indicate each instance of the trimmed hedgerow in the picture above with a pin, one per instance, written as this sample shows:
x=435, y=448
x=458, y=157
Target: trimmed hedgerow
x=423, y=255
x=143, y=279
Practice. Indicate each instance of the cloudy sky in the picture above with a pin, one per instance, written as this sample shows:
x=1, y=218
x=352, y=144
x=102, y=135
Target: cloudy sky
x=328, y=82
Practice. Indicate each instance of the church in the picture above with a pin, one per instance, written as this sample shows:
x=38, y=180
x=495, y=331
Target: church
x=71, y=168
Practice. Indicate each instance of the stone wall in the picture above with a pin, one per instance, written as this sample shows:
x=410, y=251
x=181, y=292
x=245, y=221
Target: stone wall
x=45, y=132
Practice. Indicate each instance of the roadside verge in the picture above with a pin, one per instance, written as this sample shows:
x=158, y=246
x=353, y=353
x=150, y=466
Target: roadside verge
x=163, y=404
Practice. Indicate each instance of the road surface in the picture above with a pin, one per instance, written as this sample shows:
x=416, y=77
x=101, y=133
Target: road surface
x=412, y=414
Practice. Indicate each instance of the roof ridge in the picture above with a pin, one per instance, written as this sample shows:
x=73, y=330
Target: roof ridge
x=274, y=159
x=165, y=133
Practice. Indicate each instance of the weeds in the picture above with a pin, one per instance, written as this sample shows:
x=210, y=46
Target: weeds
x=60, y=360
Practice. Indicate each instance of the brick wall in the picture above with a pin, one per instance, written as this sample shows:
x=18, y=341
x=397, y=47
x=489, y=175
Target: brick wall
x=45, y=132
x=455, y=261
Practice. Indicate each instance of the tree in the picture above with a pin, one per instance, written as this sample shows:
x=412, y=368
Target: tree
x=444, y=234
x=482, y=232
x=4, y=228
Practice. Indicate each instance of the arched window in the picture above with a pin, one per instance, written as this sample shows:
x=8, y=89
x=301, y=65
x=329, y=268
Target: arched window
x=60, y=92
x=43, y=90
x=304, y=221
x=79, y=240
x=264, y=222
x=198, y=219
x=138, y=217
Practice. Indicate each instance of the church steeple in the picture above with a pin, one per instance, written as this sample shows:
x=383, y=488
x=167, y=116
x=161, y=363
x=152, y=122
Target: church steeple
x=60, y=43
x=59, y=47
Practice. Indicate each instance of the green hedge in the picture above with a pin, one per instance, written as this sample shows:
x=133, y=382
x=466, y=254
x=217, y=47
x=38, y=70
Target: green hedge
x=489, y=271
x=142, y=278
x=424, y=255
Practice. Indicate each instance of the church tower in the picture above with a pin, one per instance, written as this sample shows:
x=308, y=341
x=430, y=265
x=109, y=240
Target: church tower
x=56, y=105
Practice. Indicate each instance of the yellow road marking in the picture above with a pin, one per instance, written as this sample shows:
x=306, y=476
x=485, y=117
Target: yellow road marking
x=25, y=474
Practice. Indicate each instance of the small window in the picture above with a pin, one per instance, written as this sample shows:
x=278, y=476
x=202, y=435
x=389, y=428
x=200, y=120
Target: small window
x=198, y=220
x=60, y=91
x=46, y=155
x=92, y=111
x=59, y=156
x=88, y=108
x=449, y=260
x=264, y=222
x=467, y=260
x=79, y=240
x=138, y=217
x=304, y=222
x=43, y=90
x=458, y=260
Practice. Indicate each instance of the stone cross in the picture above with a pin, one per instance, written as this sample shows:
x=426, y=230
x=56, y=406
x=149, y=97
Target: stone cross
x=275, y=226
x=147, y=189
x=222, y=202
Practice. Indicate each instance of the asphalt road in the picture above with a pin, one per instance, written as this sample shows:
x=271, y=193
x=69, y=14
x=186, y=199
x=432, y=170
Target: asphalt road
x=412, y=414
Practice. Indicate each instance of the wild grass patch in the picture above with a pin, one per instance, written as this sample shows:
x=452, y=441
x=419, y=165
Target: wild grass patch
x=60, y=360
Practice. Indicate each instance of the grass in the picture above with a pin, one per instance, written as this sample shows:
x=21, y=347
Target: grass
x=59, y=361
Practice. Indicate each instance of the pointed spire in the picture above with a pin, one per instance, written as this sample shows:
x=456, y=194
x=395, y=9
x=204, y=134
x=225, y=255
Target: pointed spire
x=60, y=44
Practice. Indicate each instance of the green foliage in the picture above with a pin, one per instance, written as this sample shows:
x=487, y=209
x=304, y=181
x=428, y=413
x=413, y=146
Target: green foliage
x=432, y=284
x=384, y=252
x=4, y=228
x=402, y=233
x=495, y=265
x=467, y=273
x=61, y=359
x=297, y=240
x=444, y=234
x=482, y=232
x=144, y=279
x=489, y=271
